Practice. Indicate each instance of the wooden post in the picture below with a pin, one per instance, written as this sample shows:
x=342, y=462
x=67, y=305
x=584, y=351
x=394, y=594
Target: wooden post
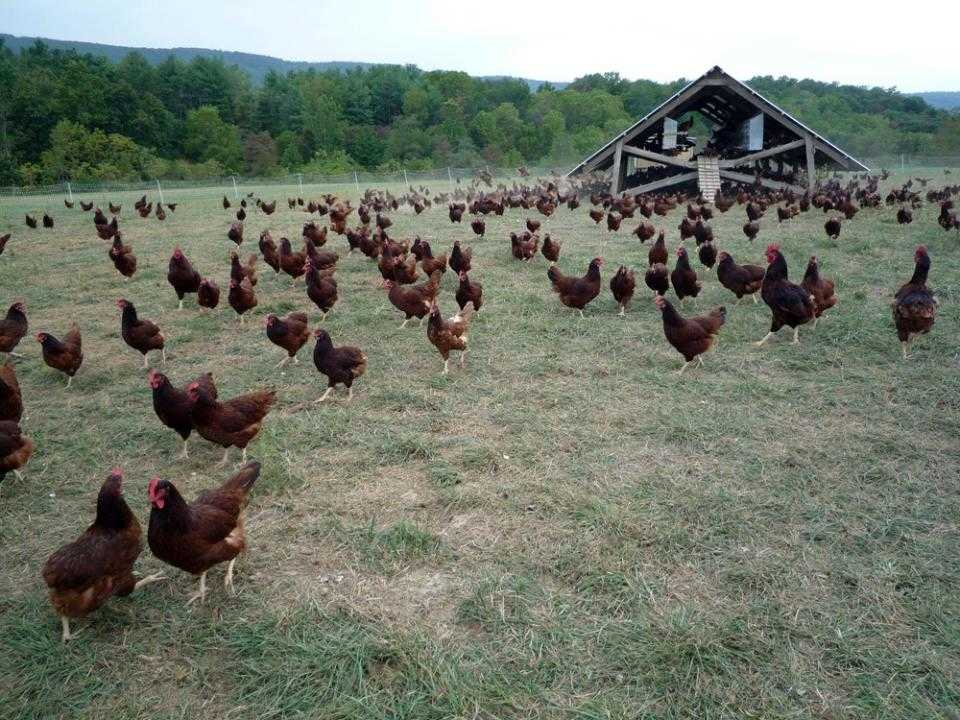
x=615, y=169
x=811, y=165
x=160, y=191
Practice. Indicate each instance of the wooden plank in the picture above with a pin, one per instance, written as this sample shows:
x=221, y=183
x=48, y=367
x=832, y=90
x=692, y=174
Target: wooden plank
x=657, y=157
x=811, y=165
x=665, y=182
x=615, y=168
x=769, y=152
x=751, y=179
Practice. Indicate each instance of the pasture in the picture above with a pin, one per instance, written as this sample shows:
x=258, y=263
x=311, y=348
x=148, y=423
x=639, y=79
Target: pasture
x=563, y=529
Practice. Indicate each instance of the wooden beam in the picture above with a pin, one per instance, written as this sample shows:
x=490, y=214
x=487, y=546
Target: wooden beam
x=665, y=182
x=811, y=166
x=658, y=158
x=663, y=111
x=752, y=179
x=769, y=152
x=615, y=168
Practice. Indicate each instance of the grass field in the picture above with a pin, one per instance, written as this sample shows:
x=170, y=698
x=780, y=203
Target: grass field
x=565, y=529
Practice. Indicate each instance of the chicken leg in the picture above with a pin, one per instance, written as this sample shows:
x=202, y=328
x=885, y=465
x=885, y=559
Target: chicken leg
x=67, y=635
x=186, y=453
x=325, y=395
x=228, y=578
x=226, y=455
x=156, y=577
x=202, y=592
x=284, y=361
x=69, y=381
x=796, y=335
x=446, y=366
x=765, y=338
x=905, y=346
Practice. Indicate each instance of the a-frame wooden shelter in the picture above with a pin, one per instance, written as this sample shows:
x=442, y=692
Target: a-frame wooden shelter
x=751, y=141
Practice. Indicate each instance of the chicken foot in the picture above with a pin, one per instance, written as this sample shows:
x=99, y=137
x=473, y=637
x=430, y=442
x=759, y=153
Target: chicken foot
x=202, y=592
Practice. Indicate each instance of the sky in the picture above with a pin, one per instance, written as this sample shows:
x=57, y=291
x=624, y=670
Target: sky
x=842, y=40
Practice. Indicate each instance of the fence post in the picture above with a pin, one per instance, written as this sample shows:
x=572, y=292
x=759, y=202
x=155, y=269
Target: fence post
x=450, y=176
x=356, y=181
x=160, y=191
x=70, y=191
x=300, y=182
x=405, y=181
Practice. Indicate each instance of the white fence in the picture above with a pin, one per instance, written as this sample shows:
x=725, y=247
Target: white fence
x=437, y=180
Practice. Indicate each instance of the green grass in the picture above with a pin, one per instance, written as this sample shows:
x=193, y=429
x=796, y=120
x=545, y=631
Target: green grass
x=564, y=529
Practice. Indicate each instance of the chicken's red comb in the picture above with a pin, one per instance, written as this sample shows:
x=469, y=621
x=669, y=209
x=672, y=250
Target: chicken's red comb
x=117, y=473
x=773, y=247
x=922, y=249
x=193, y=386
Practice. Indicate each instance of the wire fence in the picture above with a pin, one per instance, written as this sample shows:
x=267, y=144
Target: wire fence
x=912, y=162
x=438, y=180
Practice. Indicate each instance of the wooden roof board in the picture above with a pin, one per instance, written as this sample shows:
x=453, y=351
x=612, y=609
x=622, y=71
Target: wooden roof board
x=716, y=78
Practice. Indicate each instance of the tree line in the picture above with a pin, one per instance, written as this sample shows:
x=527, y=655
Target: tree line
x=70, y=116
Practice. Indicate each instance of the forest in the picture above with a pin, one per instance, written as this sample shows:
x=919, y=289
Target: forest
x=69, y=116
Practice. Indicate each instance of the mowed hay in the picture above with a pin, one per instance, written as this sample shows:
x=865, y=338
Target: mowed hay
x=562, y=529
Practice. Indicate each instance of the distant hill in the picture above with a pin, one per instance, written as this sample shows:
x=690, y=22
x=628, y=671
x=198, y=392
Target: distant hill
x=257, y=66
x=941, y=100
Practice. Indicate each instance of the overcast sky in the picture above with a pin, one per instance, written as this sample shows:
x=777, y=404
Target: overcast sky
x=912, y=47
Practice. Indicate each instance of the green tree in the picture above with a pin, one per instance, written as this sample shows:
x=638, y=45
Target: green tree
x=207, y=137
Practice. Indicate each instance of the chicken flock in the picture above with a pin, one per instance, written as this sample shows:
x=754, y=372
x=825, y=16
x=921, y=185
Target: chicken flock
x=195, y=537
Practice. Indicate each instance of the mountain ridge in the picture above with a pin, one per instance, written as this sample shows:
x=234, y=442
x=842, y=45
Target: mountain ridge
x=256, y=65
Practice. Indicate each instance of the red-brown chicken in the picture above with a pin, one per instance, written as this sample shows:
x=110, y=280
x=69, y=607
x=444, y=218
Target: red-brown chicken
x=196, y=536
x=208, y=294
x=13, y=327
x=550, y=248
x=577, y=292
x=469, y=292
x=684, y=278
x=790, y=304
x=11, y=401
x=413, y=300
x=658, y=251
x=174, y=406
x=290, y=333
x=622, y=285
x=239, y=271
x=123, y=258
x=142, y=335
x=241, y=297
x=321, y=289
x=460, y=258
x=447, y=335
x=291, y=262
x=820, y=288
x=341, y=365
x=84, y=574
x=66, y=355
x=691, y=337
x=914, y=305
x=741, y=280
x=524, y=246
x=268, y=248
x=233, y=423
x=657, y=278
x=15, y=449
x=181, y=275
